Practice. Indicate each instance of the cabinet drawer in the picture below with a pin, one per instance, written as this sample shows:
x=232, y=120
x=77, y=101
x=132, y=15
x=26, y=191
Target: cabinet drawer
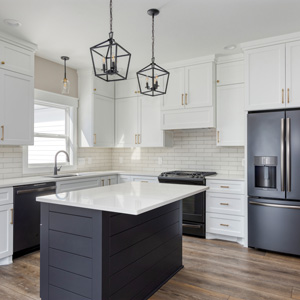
x=144, y=179
x=226, y=186
x=77, y=184
x=225, y=224
x=124, y=178
x=6, y=196
x=231, y=204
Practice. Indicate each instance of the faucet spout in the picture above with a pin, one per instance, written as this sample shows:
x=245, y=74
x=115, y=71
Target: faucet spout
x=55, y=160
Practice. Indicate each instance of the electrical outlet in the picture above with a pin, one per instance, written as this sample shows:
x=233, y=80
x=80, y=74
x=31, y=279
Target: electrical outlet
x=160, y=161
x=120, y=160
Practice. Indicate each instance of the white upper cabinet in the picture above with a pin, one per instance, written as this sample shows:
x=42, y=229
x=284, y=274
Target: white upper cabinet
x=104, y=118
x=230, y=73
x=198, y=86
x=174, y=98
x=127, y=88
x=16, y=114
x=230, y=115
x=126, y=122
x=293, y=74
x=96, y=111
x=265, y=77
x=16, y=59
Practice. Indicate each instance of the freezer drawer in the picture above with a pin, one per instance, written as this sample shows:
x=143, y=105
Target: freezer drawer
x=274, y=225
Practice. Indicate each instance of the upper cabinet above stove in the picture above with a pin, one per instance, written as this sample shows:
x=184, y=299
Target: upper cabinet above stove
x=272, y=73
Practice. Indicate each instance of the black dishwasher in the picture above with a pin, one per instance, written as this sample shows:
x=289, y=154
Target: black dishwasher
x=27, y=216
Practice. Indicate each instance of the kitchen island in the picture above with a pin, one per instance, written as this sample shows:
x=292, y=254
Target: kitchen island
x=111, y=243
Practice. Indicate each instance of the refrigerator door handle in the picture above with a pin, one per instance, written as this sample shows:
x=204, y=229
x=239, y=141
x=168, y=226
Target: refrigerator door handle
x=275, y=205
x=282, y=156
x=288, y=153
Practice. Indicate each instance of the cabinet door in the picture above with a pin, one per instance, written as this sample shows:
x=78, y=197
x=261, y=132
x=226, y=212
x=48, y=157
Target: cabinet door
x=126, y=122
x=265, y=78
x=150, y=131
x=293, y=74
x=6, y=231
x=104, y=122
x=174, y=98
x=16, y=59
x=17, y=106
x=126, y=88
x=103, y=88
x=199, y=85
x=230, y=73
x=230, y=115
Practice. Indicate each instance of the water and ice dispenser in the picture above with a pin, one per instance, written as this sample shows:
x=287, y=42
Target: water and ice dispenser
x=265, y=171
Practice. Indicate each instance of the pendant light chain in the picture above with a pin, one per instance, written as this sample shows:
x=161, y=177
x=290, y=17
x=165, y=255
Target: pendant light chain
x=111, y=16
x=153, y=58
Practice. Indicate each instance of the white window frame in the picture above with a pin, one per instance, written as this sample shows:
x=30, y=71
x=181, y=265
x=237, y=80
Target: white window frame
x=56, y=100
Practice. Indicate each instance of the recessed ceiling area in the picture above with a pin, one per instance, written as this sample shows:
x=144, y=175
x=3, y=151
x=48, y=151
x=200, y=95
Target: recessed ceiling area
x=184, y=29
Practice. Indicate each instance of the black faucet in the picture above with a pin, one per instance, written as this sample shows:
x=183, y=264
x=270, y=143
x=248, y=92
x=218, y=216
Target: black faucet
x=55, y=161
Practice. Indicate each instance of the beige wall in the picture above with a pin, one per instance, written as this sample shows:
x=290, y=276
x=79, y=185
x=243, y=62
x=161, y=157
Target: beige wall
x=48, y=76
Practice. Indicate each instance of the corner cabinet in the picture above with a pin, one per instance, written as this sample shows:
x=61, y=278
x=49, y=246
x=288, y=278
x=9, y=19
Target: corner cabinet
x=96, y=111
x=230, y=102
x=190, y=98
x=272, y=76
x=16, y=91
x=6, y=226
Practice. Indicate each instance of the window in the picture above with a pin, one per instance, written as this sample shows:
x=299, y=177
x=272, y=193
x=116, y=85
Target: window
x=54, y=130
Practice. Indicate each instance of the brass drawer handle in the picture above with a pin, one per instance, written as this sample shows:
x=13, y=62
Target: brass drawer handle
x=95, y=90
x=145, y=181
x=109, y=181
x=224, y=203
x=186, y=99
x=224, y=225
x=139, y=140
x=102, y=182
x=182, y=99
x=12, y=216
x=282, y=96
x=2, y=138
x=95, y=139
x=218, y=81
x=218, y=136
x=135, y=138
x=288, y=95
x=2, y=62
x=224, y=187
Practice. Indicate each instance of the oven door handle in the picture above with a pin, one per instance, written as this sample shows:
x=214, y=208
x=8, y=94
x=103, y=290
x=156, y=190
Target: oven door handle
x=191, y=226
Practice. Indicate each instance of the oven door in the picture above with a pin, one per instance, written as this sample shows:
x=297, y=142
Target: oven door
x=193, y=208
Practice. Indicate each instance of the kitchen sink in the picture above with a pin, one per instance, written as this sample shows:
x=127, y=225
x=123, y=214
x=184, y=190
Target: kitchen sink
x=63, y=175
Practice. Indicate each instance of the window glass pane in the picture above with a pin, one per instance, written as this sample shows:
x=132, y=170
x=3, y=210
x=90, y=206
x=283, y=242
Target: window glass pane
x=44, y=150
x=49, y=119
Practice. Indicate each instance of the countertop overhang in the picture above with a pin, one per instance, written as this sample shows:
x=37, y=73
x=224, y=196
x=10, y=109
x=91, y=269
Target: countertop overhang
x=132, y=198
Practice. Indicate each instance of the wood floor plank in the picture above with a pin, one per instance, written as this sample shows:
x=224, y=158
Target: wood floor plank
x=8, y=294
x=296, y=293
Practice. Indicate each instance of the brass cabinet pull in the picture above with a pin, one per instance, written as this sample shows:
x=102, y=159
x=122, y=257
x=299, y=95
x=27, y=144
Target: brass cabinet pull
x=102, y=182
x=95, y=90
x=225, y=225
x=218, y=81
x=224, y=187
x=109, y=181
x=224, y=203
x=182, y=99
x=12, y=216
x=288, y=95
x=218, y=136
x=2, y=62
x=135, y=138
x=139, y=141
x=144, y=181
x=95, y=138
x=2, y=138
x=186, y=99
x=282, y=96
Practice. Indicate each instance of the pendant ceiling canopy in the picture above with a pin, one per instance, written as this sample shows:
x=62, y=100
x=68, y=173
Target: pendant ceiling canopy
x=153, y=80
x=110, y=60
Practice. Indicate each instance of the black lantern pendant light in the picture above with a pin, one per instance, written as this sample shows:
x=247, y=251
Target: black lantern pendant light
x=110, y=60
x=65, y=83
x=153, y=80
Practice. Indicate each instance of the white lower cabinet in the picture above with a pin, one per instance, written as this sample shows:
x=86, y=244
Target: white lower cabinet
x=77, y=184
x=225, y=210
x=109, y=180
x=129, y=178
x=6, y=226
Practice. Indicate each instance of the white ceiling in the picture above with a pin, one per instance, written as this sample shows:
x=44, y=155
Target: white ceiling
x=184, y=29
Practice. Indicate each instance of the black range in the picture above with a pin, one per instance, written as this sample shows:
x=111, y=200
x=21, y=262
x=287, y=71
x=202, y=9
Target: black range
x=193, y=221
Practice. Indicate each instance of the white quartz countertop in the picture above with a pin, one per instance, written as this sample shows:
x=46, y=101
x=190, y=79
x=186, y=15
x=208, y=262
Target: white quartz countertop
x=132, y=198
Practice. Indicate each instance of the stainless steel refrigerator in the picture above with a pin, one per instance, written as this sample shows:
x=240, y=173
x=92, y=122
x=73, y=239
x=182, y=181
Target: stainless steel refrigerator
x=274, y=181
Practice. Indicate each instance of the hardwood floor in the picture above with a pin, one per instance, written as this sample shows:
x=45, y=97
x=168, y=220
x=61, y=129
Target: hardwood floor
x=213, y=270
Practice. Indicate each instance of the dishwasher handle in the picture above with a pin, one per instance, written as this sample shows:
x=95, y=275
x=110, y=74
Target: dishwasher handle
x=36, y=190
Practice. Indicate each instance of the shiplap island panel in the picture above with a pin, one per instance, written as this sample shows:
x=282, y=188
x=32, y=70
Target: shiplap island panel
x=111, y=243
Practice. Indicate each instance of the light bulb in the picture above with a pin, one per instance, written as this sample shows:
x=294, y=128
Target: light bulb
x=65, y=86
